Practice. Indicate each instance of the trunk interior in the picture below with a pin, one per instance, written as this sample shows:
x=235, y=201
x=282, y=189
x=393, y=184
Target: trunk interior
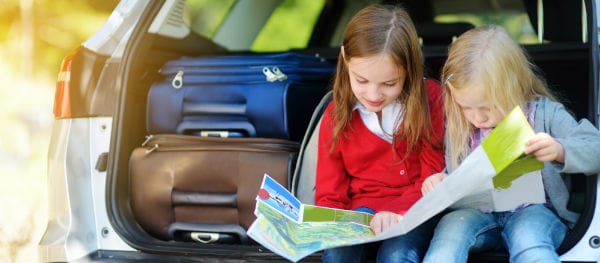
x=566, y=65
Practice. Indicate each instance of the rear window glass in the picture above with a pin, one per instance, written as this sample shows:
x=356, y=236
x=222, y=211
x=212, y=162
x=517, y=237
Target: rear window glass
x=204, y=16
x=290, y=26
x=438, y=21
x=560, y=21
x=516, y=23
x=292, y=22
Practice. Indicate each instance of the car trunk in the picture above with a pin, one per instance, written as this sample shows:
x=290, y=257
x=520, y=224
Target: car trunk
x=567, y=64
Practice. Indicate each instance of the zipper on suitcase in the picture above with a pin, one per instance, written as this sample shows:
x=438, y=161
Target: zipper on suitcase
x=247, y=144
x=280, y=75
x=177, y=81
x=271, y=77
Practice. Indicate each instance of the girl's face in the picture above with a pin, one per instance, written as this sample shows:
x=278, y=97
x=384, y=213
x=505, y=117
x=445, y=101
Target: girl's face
x=476, y=108
x=376, y=80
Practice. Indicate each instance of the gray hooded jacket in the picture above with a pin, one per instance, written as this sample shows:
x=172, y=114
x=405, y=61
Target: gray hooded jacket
x=581, y=142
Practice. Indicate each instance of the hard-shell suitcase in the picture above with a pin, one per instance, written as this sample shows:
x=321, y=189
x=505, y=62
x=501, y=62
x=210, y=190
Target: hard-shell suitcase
x=251, y=95
x=203, y=189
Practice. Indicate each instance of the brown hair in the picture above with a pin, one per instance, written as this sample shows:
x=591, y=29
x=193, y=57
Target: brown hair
x=384, y=29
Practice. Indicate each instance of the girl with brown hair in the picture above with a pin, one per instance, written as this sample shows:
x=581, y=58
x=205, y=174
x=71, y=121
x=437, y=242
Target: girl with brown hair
x=381, y=136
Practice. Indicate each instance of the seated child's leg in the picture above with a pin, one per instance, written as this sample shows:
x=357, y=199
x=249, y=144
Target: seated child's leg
x=357, y=253
x=461, y=231
x=532, y=234
x=409, y=247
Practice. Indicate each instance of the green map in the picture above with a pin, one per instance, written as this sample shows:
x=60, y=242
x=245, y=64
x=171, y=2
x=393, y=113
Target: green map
x=297, y=240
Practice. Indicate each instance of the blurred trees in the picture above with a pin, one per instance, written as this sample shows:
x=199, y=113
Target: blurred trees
x=36, y=34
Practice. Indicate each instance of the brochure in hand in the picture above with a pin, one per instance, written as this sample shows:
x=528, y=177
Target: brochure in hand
x=497, y=170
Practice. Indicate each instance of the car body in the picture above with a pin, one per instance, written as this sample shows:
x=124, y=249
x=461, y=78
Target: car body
x=101, y=91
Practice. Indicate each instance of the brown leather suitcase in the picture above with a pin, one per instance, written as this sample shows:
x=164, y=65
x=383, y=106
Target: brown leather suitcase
x=203, y=188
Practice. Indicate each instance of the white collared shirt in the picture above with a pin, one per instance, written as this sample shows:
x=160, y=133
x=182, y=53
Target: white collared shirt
x=389, y=119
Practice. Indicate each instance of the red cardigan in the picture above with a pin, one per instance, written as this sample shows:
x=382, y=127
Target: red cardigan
x=363, y=171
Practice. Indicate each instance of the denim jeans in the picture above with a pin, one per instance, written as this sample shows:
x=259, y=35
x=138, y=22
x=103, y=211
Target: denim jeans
x=409, y=247
x=531, y=234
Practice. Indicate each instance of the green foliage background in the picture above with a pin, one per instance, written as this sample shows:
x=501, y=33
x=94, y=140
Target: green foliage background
x=34, y=37
x=53, y=27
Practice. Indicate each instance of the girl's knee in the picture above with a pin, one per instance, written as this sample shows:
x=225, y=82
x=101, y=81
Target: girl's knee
x=541, y=253
x=404, y=255
x=536, y=228
x=355, y=253
x=465, y=221
x=406, y=248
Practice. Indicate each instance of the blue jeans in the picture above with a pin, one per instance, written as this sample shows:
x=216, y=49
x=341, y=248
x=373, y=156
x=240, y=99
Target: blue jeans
x=409, y=247
x=531, y=234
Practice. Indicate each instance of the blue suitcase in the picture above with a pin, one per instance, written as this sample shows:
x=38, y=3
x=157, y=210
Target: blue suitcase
x=254, y=95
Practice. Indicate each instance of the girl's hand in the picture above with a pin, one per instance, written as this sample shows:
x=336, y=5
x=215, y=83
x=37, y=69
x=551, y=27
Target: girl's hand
x=545, y=148
x=383, y=220
x=432, y=181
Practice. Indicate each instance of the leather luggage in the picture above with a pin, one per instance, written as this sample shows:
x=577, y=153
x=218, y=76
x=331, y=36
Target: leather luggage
x=203, y=188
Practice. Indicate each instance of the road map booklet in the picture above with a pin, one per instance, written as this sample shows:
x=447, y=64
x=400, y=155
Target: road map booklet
x=497, y=172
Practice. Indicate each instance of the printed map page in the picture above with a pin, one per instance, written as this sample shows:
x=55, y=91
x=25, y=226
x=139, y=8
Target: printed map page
x=294, y=240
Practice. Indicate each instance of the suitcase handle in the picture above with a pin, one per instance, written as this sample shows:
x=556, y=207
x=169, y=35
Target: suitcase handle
x=222, y=134
x=223, y=128
x=208, y=238
x=207, y=233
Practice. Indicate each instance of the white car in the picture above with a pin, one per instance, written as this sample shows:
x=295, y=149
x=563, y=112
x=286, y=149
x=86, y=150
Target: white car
x=100, y=104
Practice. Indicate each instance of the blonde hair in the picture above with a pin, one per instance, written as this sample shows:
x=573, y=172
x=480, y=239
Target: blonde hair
x=487, y=55
x=384, y=29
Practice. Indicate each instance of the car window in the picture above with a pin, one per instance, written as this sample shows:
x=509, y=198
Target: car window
x=509, y=14
x=204, y=16
x=560, y=21
x=437, y=19
x=290, y=26
x=292, y=22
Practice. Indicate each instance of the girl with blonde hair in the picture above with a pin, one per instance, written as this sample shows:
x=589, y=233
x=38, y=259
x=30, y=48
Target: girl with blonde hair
x=486, y=75
x=381, y=136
